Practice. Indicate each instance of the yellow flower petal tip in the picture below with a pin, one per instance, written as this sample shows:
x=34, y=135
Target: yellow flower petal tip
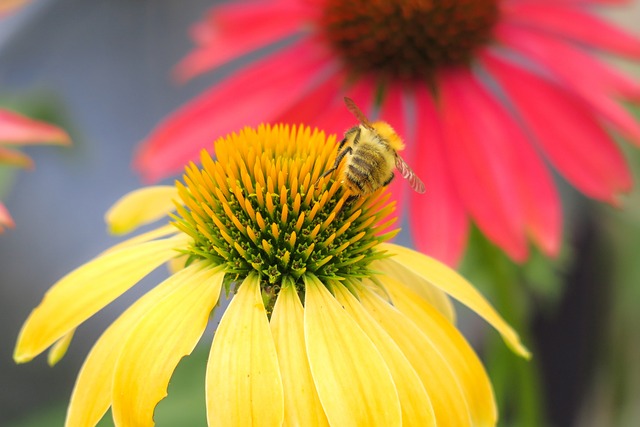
x=441, y=276
x=59, y=349
x=263, y=226
x=20, y=357
x=140, y=207
x=520, y=349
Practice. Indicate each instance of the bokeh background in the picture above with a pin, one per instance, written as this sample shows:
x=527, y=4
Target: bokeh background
x=101, y=70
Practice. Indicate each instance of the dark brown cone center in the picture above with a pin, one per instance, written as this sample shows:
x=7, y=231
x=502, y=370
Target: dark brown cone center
x=407, y=39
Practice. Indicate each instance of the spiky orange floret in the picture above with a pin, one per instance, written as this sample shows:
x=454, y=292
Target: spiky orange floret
x=260, y=206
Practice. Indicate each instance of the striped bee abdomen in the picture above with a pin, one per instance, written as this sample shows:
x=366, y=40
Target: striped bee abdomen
x=367, y=168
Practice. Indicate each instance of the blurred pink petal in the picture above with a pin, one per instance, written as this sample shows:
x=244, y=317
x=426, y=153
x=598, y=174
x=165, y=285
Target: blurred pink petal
x=16, y=129
x=585, y=77
x=478, y=153
x=568, y=21
x=5, y=218
x=258, y=92
x=482, y=163
x=317, y=101
x=438, y=218
x=238, y=32
x=9, y=6
x=587, y=158
x=15, y=158
x=334, y=119
x=19, y=130
x=323, y=105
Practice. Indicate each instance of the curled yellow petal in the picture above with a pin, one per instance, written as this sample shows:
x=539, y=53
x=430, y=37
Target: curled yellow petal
x=439, y=379
x=84, y=291
x=353, y=381
x=156, y=233
x=168, y=331
x=443, y=277
x=141, y=207
x=301, y=403
x=454, y=348
x=93, y=389
x=415, y=403
x=426, y=290
x=59, y=349
x=244, y=386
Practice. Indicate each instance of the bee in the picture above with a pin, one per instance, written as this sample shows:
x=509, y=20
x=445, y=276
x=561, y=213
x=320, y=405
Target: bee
x=371, y=151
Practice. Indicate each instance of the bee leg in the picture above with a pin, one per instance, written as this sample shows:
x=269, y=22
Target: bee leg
x=348, y=134
x=356, y=138
x=388, y=181
x=341, y=155
x=352, y=198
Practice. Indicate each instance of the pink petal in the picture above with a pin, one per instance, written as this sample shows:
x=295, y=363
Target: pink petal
x=574, y=23
x=7, y=7
x=567, y=131
x=15, y=158
x=308, y=109
x=482, y=161
x=233, y=30
x=438, y=218
x=576, y=71
x=324, y=107
x=582, y=1
x=570, y=62
x=537, y=194
x=17, y=129
x=257, y=94
x=5, y=218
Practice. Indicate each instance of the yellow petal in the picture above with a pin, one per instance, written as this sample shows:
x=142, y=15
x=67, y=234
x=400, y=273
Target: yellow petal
x=59, y=349
x=415, y=403
x=452, y=283
x=301, y=403
x=453, y=347
x=352, y=379
x=140, y=207
x=244, y=386
x=439, y=299
x=438, y=378
x=164, y=334
x=154, y=234
x=84, y=291
x=93, y=389
x=177, y=264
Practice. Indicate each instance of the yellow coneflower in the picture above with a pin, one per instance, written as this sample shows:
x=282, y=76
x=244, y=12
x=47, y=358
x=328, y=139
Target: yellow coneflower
x=327, y=324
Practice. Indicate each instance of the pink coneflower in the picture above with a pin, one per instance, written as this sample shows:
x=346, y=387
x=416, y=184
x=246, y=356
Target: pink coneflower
x=484, y=92
x=19, y=130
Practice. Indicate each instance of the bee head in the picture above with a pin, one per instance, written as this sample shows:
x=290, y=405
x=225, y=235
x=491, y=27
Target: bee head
x=385, y=130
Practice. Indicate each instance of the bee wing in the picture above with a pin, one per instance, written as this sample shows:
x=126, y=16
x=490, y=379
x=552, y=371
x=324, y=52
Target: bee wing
x=353, y=108
x=410, y=175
